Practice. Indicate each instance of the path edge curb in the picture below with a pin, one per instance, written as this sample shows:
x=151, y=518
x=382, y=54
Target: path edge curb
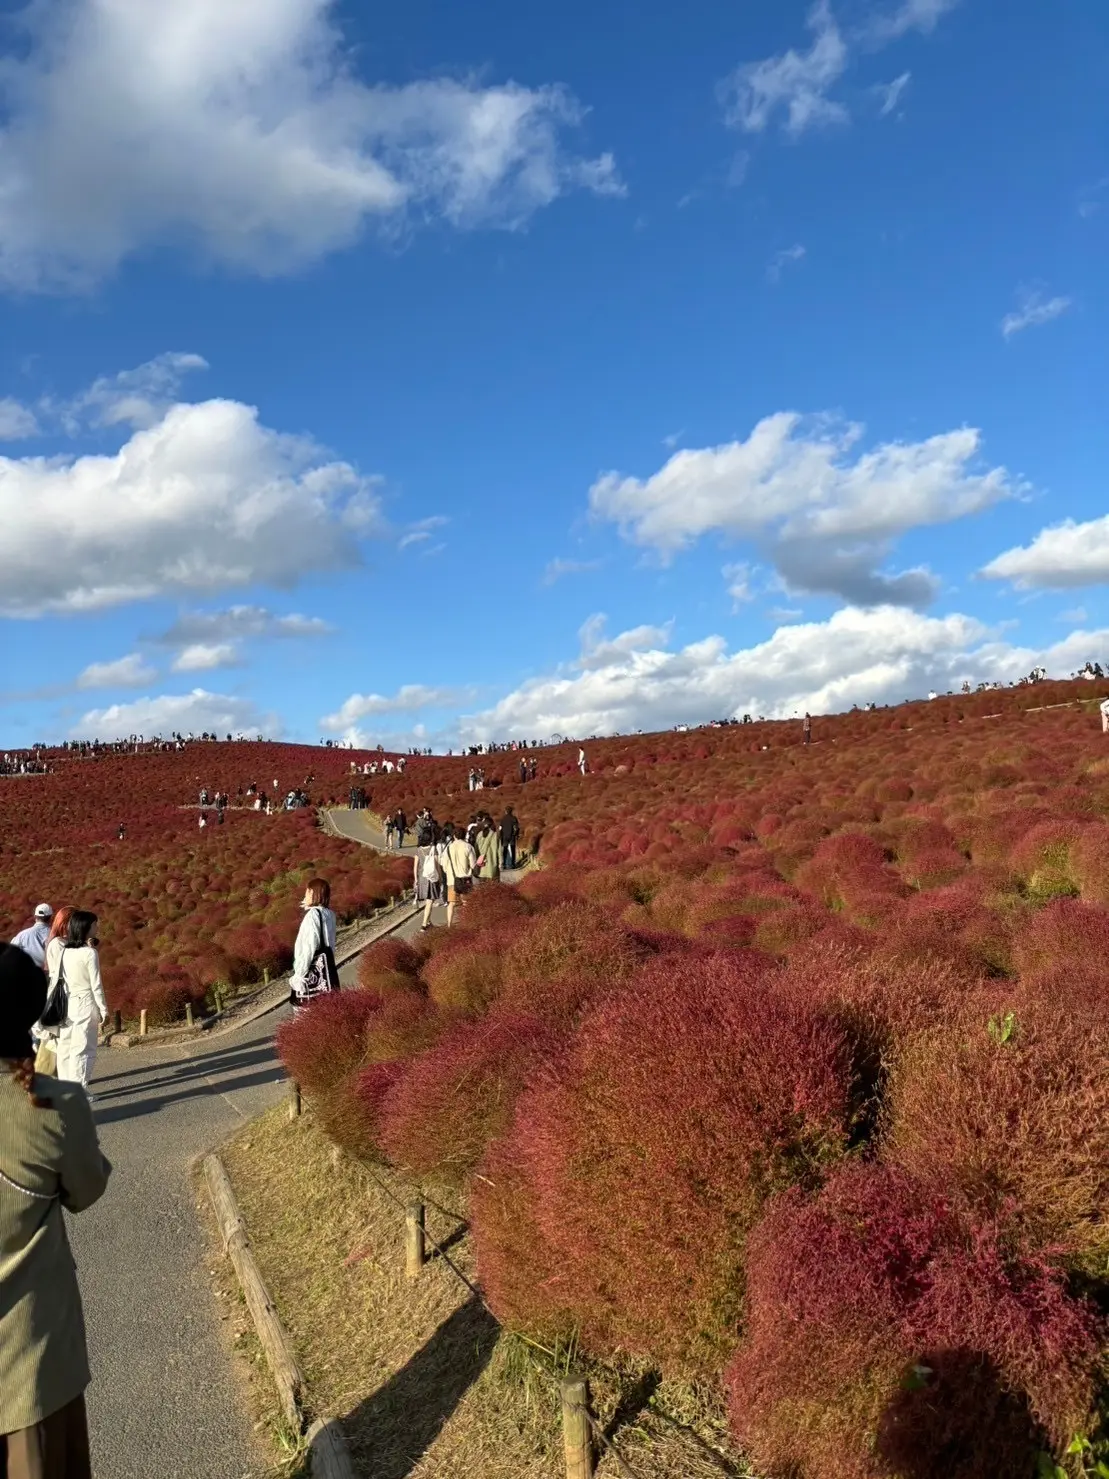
x=330, y=1458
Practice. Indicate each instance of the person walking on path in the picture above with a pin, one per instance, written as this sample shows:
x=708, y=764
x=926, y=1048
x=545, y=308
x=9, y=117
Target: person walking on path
x=510, y=831
x=78, y=965
x=34, y=938
x=806, y=729
x=389, y=834
x=400, y=825
x=314, y=970
x=426, y=876
x=523, y=771
x=488, y=851
x=581, y=761
x=49, y=1159
x=458, y=860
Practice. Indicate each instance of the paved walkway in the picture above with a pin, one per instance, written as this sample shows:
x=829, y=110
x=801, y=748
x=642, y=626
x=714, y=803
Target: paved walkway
x=164, y=1399
x=165, y=1402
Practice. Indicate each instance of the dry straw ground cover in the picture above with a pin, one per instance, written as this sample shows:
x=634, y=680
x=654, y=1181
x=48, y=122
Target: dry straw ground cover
x=426, y=1384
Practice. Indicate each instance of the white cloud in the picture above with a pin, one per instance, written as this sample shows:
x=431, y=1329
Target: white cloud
x=16, y=421
x=782, y=260
x=910, y=15
x=422, y=531
x=795, y=83
x=1062, y=557
x=125, y=672
x=137, y=398
x=738, y=577
x=407, y=700
x=881, y=656
x=202, y=657
x=197, y=711
x=599, y=650
x=825, y=516
x=890, y=93
x=1033, y=310
x=206, y=498
x=558, y=568
x=243, y=130
x=239, y=622
x=1076, y=616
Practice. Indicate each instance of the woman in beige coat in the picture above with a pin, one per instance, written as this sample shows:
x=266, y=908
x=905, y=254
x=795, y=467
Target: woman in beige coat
x=49, y=1159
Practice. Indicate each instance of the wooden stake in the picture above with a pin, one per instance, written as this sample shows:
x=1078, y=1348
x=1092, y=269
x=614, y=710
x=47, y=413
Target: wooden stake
x=189, y=1013
x=415, y=1254
x=294, y=1100
x=265, y=975
x=142, y=1023
x=118, y=1022
x=574, y=1391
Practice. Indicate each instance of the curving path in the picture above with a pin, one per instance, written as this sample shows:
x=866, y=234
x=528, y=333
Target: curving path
x=165, y=1399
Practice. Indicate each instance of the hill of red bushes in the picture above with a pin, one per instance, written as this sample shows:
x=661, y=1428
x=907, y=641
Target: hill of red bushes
x=789, y=1071
x=181, y=910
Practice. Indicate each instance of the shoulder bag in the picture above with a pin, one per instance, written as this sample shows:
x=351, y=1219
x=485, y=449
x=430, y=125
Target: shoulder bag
x=56, y=1012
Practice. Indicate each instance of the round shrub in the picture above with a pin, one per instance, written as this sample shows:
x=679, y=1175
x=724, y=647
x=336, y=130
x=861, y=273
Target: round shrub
x=684, y=1102
x=886, y=1338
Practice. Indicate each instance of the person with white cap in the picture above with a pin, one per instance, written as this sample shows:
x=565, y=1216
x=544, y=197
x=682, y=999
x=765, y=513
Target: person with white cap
x=33, y=939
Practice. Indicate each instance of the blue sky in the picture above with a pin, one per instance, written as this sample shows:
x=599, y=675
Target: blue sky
x=433, y=374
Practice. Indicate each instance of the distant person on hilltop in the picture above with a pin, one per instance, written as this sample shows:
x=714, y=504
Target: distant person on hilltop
x=49, y=1150
x=33, y=939
x=1103, y=709
x=806, y=728
x=523, y=772
x=581, y=761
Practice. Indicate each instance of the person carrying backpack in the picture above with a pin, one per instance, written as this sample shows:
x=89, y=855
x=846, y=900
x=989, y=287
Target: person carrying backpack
x=426, y=876
x=314, y=970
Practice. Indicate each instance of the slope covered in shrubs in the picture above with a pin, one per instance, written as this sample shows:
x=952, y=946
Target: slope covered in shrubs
x=787, y=1071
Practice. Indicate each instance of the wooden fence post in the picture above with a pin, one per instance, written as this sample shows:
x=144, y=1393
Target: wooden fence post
x=294, y=1099
x=188, y=1014
x=142, y=1023
x=578, y=1446
x=117, y=1022
x=265, y=975
x=415, y=1254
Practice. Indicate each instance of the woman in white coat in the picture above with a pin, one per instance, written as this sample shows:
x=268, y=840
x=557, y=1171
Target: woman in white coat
x=78, y=965
x=316, y=936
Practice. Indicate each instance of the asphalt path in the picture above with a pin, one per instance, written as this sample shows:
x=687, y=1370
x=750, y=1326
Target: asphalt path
x=165, y=1400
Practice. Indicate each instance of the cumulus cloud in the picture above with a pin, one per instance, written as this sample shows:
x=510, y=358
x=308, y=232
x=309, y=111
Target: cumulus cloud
x=203, y=499
x=242, y=130
x=1062, y=557
x=826, y=514
x=198, y=711
x=203, y=657
x=125, y=672
x=409, y=699
x=881, y=655
x=1033, y=310
x=795, y=84
x=16, y=421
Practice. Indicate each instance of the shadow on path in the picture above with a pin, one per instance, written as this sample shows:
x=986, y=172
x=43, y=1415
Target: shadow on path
x=392, y=1430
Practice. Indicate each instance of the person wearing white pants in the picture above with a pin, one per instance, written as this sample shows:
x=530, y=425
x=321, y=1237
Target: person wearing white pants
x=78, y=964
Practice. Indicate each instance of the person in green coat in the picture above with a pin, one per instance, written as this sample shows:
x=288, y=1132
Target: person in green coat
x=49, y=1159
x=488, y=846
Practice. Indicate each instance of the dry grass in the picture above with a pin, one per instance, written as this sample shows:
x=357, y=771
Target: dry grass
x=426, y=1384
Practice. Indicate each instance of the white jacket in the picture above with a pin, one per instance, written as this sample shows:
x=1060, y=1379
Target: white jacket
x=308, y=944
x=82, y=974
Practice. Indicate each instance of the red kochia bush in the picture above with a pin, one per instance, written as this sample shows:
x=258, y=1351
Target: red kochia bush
x=326, y=1041
x=1009, y=1113
x=461, y=1093
x=886, y=1338
x=684, y=1102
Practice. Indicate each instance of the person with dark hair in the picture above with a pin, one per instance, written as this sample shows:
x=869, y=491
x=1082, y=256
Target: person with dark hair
x=49, y=1159
x=78, y=965
x=510, y=832
x=488, y=849
x=314, y=971
x=806, y=729
x=400, y=826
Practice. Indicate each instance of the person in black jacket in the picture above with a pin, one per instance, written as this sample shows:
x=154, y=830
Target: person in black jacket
x=510, y=831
